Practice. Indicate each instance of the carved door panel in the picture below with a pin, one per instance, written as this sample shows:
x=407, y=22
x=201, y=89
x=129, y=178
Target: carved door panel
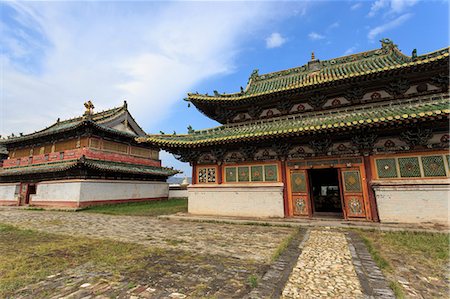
x=353, y=192
x=300, y=193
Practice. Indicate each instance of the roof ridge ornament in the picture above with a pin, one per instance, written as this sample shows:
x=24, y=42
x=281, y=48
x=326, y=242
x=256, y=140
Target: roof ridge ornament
x=89, y=109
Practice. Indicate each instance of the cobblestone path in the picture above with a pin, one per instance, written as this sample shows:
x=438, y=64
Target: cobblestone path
x=237, y=241
x=324, y=269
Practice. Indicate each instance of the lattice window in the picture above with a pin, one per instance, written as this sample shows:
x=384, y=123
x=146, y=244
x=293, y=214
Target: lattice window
x=271, y=173
x=230, y=174
x=94, y=143
x=409, y=167
x=207, y=175
x=253, y=173
x=433, y=166
x=352, y=181
x=243, y=174
x=257, y=173
x=386, y=168
x=115, y=147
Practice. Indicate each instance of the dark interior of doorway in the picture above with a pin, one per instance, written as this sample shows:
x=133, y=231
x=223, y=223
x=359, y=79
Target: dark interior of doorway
x=325, y=192
x=31, y=190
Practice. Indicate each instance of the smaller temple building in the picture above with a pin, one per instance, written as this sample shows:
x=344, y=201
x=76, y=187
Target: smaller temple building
x=88, y=160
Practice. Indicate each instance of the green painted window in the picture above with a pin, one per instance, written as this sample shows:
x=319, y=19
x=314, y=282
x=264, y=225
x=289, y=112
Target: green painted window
x=386, y=168
x=433, y=166
x=271, y=173
x=409, y=167
x=257, y=173
x=230, y=174
x=243, y=174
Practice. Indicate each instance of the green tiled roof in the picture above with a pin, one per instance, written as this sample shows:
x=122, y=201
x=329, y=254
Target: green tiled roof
x=98, y=119
x=111, y=166
x=308, y=123
x=388, y=57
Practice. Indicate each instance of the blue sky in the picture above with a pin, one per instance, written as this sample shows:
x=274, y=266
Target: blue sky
x=56, y=55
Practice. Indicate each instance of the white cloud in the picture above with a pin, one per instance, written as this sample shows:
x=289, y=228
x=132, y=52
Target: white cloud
x=315, y=36
x=58, y=55
x=275, y=40
x=333, y=26
x=373, y=33
x=392, y=6
x=350, y=50
x=356, y=6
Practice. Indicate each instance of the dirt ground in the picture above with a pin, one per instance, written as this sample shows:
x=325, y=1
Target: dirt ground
x=162, y=259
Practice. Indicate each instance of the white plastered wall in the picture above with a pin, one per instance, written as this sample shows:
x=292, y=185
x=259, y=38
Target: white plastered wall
x=421, y=201
x=7, y=192
x=252, y=200
x=79, y=191
x=121, y=190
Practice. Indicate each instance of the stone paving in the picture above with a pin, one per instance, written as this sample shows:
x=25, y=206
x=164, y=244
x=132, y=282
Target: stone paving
x=323, y=261
x=324, y=269
x=237, y=241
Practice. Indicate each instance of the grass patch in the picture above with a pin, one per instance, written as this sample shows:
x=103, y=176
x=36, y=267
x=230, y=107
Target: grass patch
x=427, y=253
x=282, y=247
x=397, y=288
x=431, y=245
x=379, y=260
x=252, y=281
x=149, y=208
x=29, y=256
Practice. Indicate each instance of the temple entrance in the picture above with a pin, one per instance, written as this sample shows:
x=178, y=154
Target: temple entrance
x=325, y=192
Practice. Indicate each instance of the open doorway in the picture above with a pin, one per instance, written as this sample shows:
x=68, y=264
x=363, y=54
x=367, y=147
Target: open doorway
x=30, y=191
x=325, y=193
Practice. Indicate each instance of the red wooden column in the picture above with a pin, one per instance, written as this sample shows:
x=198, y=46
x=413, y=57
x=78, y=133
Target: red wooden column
x=194, y=173
x=219, y=172
x=372, y=198
x=285, y=191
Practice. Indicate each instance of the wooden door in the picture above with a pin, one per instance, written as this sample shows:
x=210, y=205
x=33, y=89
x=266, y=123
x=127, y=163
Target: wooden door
x=23, y=193
x=353, y=192
x=300, y=192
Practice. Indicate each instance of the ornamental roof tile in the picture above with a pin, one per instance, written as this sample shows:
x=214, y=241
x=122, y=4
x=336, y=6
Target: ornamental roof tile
x=307, y=123
x=388, y=57
x=102, y=165
x=99, y=119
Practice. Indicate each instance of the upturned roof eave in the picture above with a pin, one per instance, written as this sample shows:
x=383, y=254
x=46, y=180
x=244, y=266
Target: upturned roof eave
x=195, y=98
x=307, y=130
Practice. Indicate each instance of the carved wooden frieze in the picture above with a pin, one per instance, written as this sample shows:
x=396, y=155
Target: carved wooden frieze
x=398, y=87
x=417, y=136
x=317, y=100
x=364, y=142
x=321, y=146
x=441, y=80
x=186, y=155
x=355, y=94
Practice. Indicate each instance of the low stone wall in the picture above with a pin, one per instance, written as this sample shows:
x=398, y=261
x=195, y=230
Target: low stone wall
x=80, y=193
x=413, y=201
x=247, y=200
x=7, y=195
x=177, y=193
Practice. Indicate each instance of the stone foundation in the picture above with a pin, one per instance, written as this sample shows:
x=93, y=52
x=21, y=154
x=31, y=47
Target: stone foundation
x=413, y=201
x=246, y=200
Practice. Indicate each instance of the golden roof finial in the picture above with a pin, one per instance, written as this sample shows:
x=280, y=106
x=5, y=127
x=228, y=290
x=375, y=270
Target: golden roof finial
x=89, y=107
x=312, y=56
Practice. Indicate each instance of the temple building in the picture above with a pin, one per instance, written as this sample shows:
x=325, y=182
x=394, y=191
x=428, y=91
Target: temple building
x=359, y=137
x=88, y=160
